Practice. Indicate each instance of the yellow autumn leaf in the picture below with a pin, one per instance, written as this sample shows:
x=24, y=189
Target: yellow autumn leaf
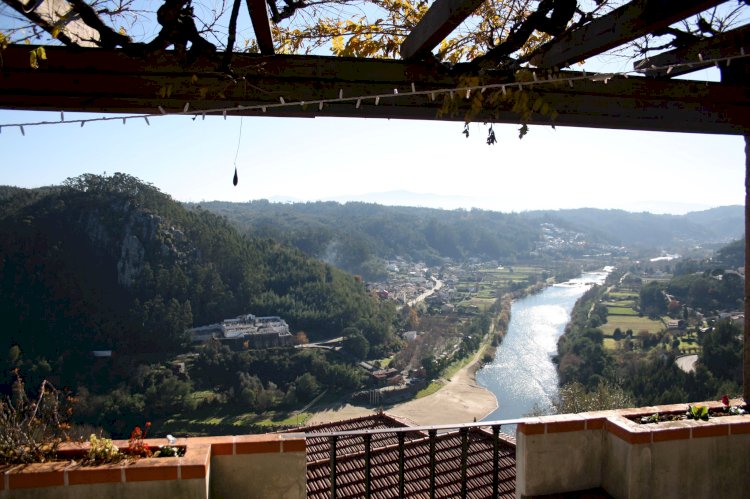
x=338, y=44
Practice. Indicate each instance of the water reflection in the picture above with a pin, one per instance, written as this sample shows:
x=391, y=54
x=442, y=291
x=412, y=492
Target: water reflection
x=522, y=375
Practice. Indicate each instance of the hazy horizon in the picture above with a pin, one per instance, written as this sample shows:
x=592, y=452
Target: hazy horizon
x=425, y=163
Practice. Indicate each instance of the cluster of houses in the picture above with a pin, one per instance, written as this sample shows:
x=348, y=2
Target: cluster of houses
x=247, y=331
x=406, y=281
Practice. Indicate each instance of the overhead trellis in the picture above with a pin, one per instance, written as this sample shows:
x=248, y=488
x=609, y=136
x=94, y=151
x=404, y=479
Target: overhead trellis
x=138, y=78
x=407, y=100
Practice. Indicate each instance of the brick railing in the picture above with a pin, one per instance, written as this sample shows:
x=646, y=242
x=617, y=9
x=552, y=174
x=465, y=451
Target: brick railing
x=553, y=454
x=610, y=450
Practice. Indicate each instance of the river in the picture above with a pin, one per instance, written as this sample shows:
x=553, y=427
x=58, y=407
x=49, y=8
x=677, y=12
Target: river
x=523, y=377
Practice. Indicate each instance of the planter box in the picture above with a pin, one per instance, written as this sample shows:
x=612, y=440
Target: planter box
x=185, y=476
x=248, y=466
x=607, y=449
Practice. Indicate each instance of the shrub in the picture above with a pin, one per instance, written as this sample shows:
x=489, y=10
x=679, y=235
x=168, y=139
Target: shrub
x=32, y=429
x=102, y=450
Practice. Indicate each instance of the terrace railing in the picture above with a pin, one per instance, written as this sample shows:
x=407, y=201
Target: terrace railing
x=453, y=460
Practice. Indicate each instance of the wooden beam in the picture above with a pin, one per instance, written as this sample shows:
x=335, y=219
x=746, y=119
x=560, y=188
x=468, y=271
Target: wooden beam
x=95, y=80
x=725, y=44
x=439, y=21
x=622, y=25
x=261, y=25
x=746, y=322
x=57, y=16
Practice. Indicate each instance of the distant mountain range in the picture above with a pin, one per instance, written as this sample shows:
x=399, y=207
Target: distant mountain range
x=354, y=235
x=451, y=202
x=646, y=230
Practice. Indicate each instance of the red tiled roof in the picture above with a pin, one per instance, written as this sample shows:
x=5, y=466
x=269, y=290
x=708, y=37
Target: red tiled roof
x=320, y=448
x=350, y=462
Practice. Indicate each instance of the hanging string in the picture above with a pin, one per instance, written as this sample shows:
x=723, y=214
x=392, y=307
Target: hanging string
x=466, y=90
x=236, y=179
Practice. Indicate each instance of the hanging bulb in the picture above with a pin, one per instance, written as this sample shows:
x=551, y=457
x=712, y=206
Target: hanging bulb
x=235, y=179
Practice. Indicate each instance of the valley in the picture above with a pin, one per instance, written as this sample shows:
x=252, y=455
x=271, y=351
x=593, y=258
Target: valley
x=105, y=280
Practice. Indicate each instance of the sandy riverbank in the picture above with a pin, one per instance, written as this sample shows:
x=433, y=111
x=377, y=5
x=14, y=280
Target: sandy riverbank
x=461, y=400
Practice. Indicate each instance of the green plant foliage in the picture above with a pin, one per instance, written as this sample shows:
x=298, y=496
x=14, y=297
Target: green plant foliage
x=697, y=412
x=169, y=451
x=102, y=451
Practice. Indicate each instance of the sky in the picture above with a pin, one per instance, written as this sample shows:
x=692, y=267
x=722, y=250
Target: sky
x=428, y=163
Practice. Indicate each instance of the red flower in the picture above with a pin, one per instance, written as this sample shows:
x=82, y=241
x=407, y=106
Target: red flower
x=725, y=401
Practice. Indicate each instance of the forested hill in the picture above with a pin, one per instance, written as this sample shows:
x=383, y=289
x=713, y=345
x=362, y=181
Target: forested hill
x=354, y=235
x=112, y=263
x=646, y=230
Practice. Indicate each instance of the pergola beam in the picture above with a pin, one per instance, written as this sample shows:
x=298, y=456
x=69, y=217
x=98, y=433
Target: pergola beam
x=439, y=21
x=622, y=25
x=57, y=16
x=261, y=25
x=725, y=44
x=95, y=80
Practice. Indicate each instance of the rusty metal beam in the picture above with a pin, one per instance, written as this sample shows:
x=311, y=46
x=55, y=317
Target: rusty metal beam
x=622, y=25
x=96, y=80
x=438, y=22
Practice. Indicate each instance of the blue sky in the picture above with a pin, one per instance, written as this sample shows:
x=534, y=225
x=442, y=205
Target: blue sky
x=312, y=159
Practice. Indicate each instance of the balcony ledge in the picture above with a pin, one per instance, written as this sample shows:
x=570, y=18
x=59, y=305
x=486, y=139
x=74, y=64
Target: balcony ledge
x=612, y=451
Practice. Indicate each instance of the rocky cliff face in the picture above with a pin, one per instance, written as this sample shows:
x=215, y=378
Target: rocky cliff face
x=130, y=236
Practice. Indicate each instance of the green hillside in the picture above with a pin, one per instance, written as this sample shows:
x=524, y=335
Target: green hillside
x=110, y=263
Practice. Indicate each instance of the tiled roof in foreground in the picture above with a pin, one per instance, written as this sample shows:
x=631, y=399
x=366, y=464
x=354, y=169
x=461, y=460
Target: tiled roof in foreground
x=350, y=462
x=320, y=448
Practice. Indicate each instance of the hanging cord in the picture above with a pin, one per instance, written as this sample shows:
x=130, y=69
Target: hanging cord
x=236, y=155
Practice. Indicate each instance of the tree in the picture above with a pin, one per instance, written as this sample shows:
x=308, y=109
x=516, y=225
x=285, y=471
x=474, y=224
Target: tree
x=652, y=300
x=356, y=344
x=431, y=367
x=306, y=387
x=499, y=33
x=301, y=338
x=722, y=352
x=575, y=398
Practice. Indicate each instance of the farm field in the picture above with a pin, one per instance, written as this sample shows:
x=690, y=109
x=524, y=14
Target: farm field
x=625, y=322
x=492, y=280
x=620, y=311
